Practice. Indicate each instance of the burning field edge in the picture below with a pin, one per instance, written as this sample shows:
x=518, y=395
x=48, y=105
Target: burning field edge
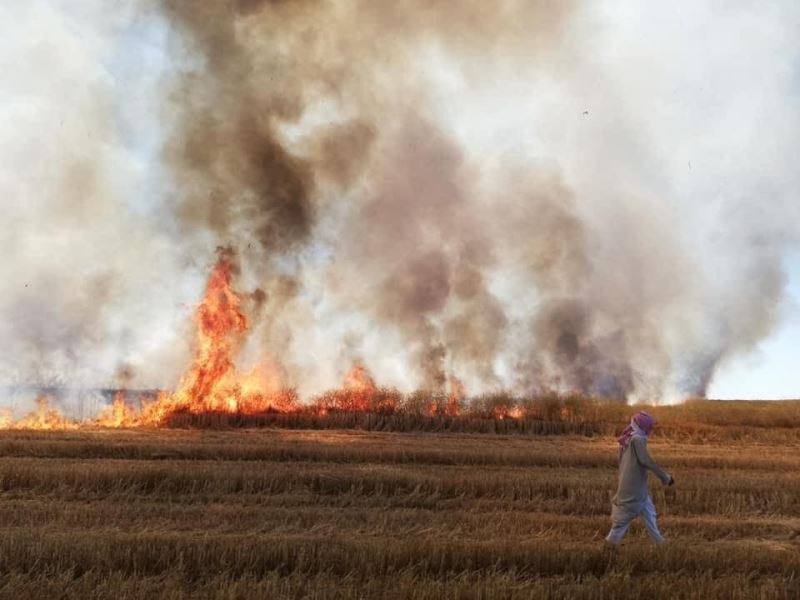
x=214, y=392
x=501, y=414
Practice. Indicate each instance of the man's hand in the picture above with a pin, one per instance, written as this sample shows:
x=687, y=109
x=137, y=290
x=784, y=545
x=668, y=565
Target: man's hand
x=671, y=480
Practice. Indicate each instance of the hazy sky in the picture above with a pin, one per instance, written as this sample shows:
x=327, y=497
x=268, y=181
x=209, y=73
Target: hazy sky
x=708, y=89
x=771, y=370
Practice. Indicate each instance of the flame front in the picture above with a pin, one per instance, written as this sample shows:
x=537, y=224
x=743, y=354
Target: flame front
x=213, y=384
x=119, y=414
x=43, y=416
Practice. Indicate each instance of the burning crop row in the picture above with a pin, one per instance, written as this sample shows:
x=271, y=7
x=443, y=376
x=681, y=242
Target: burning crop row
x=213, y=384
x=122, y=413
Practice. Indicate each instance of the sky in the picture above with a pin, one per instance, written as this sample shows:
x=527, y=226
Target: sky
x=769, y=371
x=684, y=83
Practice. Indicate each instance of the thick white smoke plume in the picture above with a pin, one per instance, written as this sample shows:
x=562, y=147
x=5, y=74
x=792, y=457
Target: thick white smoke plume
x=522, y=195
x=90, y=279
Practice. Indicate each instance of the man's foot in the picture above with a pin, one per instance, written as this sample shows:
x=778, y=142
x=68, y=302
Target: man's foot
x=610, y=545
x=609, y=554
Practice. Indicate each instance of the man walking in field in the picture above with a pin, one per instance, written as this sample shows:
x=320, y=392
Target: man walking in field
x=632, y=499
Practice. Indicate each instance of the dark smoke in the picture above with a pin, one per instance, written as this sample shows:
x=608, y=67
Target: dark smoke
x=307, y=128
x=236, y=175
x=415, y=233
x=340, y=148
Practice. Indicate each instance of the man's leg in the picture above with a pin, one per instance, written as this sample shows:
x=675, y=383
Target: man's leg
x=620, y=521
x=649, y=518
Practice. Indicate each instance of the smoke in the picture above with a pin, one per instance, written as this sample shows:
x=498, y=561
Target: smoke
x=80, y=295
x=524, y=195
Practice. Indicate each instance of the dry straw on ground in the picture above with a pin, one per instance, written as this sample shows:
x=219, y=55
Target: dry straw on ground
x=323, y=513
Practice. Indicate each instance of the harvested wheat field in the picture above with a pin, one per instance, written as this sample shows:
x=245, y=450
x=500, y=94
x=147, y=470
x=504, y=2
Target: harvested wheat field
x=272, y=513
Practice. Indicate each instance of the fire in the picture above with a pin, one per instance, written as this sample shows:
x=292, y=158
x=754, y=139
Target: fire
x=455, y=398
x=212, y=383
x=504, y=411
x=359, y=388
x=358, y=379
x=43, y=417
x=119, y=414
x=451, y=404
x=359, y=394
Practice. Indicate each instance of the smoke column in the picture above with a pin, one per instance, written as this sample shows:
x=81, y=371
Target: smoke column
x=521, y=195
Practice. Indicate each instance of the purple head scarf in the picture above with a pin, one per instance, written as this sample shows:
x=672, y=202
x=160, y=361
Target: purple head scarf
x=641, y=424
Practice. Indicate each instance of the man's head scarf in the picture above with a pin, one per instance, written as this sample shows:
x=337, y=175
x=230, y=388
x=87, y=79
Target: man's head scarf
x=641, y=424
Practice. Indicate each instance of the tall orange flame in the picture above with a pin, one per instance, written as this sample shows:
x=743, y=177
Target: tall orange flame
x=213, y=383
